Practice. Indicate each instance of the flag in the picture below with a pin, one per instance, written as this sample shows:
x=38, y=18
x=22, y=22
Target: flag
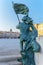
x=20, y=8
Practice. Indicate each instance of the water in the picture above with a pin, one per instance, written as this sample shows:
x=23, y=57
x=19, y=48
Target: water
x=14, y=44
x=8, y=48
x=9, y=44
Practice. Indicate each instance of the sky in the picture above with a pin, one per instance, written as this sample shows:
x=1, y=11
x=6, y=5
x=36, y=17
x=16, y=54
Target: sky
x=8, y=18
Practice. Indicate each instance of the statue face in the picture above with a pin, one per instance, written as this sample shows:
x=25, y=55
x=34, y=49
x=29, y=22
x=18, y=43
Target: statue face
x=27, y=20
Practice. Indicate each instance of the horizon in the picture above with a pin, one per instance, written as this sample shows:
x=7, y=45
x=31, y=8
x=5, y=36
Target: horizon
x=8, y=18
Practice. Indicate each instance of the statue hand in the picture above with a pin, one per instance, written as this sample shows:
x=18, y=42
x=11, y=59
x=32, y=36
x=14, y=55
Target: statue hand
x=22, y=52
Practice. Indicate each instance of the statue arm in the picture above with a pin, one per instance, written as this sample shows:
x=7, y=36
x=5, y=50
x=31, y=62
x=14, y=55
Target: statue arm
x=34, y=30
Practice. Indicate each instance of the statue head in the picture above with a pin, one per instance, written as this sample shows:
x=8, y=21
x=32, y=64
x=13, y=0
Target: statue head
x=27, y=19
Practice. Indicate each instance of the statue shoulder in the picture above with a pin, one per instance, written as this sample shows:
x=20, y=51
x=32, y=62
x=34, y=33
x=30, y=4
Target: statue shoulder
x=19, y=25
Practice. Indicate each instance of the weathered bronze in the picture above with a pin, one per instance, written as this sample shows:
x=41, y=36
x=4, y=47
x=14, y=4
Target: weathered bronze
x=28, y=34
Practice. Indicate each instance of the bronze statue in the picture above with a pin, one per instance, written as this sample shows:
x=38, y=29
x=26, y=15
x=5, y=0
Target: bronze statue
x=28, y=34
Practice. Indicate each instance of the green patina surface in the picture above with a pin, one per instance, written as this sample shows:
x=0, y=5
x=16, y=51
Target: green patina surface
x=28, y=34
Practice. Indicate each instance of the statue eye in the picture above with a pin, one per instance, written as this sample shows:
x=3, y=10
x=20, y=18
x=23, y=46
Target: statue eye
x=27, y=22
x=24, y=20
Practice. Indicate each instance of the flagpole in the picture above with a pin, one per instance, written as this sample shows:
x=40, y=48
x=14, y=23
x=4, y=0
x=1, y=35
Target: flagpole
x=24, y=9
x=16, y=14
x=18, y=18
